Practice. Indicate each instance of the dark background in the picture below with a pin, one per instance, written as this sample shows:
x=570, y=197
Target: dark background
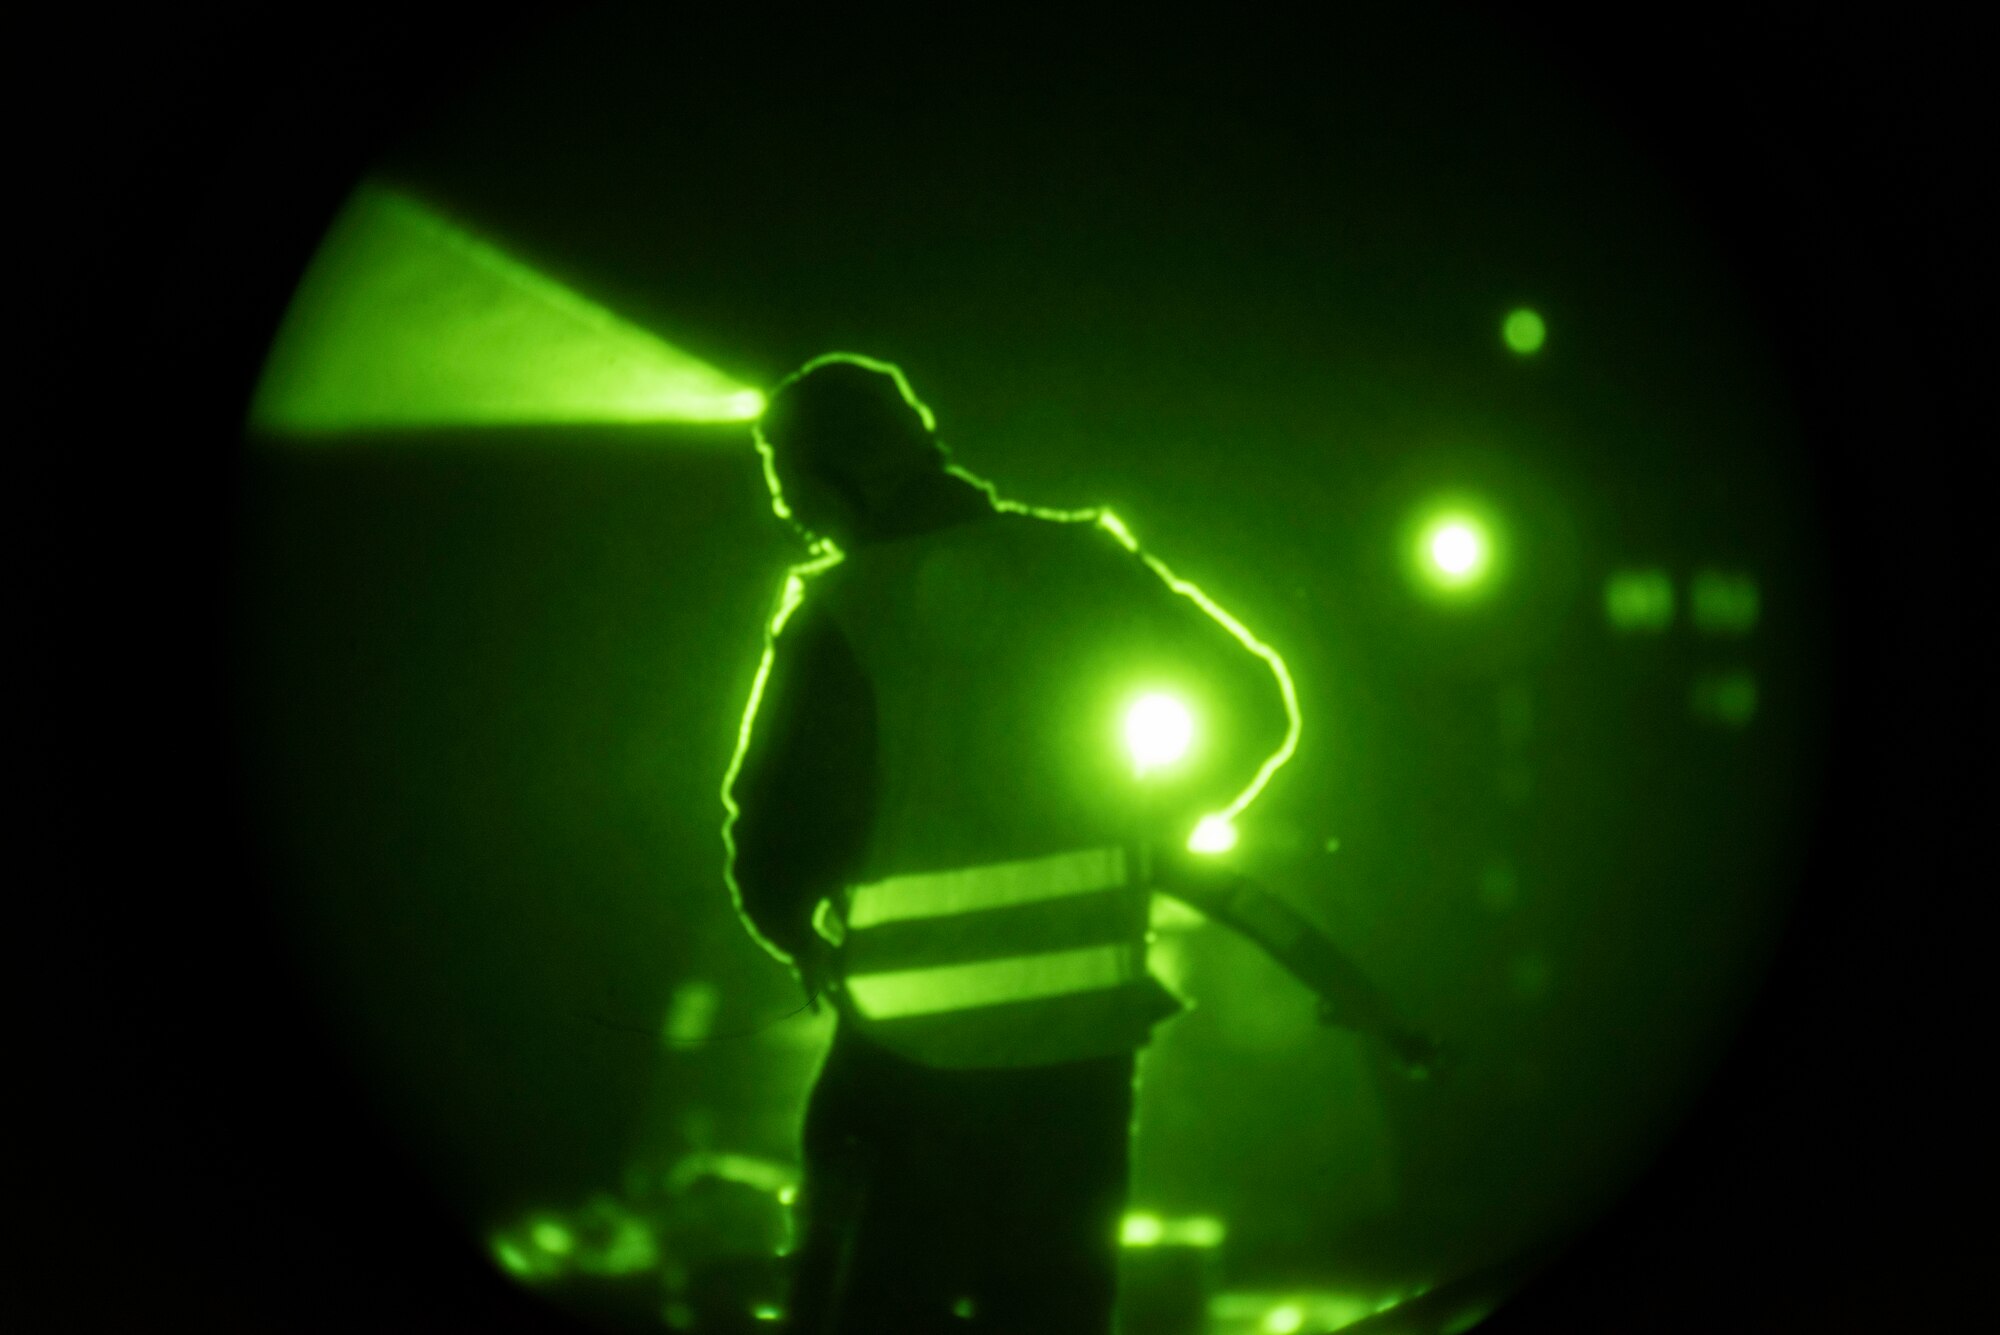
x=206, y=1164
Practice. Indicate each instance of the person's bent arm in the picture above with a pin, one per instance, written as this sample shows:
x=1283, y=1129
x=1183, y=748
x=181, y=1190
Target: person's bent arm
x=803, y=791
x=1348, y=998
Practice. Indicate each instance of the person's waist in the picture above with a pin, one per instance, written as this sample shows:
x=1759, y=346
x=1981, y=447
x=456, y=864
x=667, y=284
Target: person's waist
x=989, y=886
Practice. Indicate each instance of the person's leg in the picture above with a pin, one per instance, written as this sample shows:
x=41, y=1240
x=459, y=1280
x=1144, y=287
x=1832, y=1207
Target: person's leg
x=833, y=1184
x=1049, y=1263
x=880, y=1246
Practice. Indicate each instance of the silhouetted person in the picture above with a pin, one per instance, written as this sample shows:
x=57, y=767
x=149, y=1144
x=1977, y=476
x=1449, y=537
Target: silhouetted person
x=939, y=829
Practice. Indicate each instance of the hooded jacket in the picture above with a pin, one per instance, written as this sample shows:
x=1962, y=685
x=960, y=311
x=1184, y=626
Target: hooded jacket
x=990, y=908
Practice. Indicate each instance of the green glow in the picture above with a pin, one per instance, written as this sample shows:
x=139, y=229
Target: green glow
x=1141, y=1230
x=404, y=320
x=1723, y=603
x=766, y=1312
x=962, y=1309
x=552, y=1237
x=826, y=554
x=1284, y=1319
x=1466, y=1319
x=938, y=894
x=1158, y=732
x=1524, y=331
x=1728, y=698
x=510, y=1258
x=1198, y=1231
x=1639, y=600
x=691, y=1015
x=960, y=986
x=1212, y=835
x=622, y=1243
x=1295, y=1311
x=1167, y=914
x=751, y=1171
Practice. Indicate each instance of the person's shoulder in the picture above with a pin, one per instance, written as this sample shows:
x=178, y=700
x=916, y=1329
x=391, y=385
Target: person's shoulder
x=1078, y=532
x=805, y=605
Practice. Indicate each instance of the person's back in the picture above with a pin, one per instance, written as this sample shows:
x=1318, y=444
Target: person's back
x=944, y=772
x=997, y=915
x=1005, y=654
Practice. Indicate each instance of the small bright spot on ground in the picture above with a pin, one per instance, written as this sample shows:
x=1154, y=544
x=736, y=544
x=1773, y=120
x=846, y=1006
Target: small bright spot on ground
x=1141, y=1230
x=1158, y=730
x=1213, y=835
x=1524, y=331
x=766, y=1312
x=1284, y=1320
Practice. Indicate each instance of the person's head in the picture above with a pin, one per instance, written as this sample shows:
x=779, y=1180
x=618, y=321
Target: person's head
x=840, y=437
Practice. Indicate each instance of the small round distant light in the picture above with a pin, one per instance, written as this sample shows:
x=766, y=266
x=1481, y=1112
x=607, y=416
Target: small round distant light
x=1455, y=552
x=1525, y=331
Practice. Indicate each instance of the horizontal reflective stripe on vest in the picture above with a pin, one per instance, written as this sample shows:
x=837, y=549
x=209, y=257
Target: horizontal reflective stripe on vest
x=941, y=894
x=1106, y=917
x=884, y=996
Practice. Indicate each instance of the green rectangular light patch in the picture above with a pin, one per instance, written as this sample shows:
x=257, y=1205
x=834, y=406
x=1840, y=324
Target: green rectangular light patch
x=943, y=894
x=889, y=996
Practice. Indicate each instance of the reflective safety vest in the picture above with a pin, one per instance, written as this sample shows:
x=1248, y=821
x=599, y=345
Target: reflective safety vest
x=1014, y=964
x=998, y=918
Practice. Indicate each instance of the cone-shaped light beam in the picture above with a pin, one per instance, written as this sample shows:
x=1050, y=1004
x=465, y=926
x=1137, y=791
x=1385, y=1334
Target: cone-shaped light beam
x=404, y=320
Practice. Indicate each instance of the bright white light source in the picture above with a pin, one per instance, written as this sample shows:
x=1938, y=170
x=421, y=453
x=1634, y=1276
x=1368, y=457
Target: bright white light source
x=1455, y=549
x=1455, y=552
x=1158, y=730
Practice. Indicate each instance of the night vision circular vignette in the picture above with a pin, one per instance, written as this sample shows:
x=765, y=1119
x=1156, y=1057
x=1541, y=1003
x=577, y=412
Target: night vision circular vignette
x=1384, y=356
